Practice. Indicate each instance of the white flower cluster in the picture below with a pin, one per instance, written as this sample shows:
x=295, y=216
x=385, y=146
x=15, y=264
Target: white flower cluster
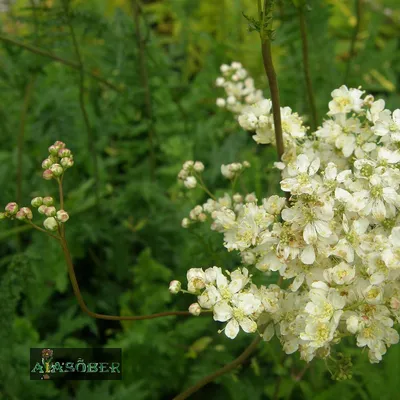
x=239, y=88
x=334, y=244
x=258, y=118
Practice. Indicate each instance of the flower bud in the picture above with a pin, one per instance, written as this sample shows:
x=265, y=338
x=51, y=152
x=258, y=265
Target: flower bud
x=11, y=208
x=50, y=211
x=48, y=201
x=59, y=144
x=37, y=202
x=67, y=162
x=187, y=165
x=246, y=164
x=47, y=163
x=198, y=166
x=27, y=212
x=175, y=287
x=202, y=217
x=42, y=209
x=221, y=102
x=64, y=153
x=53, y=150
x=185, y=223
x=57, y=170
x=20, y=215
x=190, y=182
x=50, y=224
x=48, y=175
x=3, y=216
x=195, y=309
x=62, y=216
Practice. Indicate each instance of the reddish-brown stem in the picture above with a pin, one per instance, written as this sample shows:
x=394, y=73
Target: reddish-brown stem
x=84, y=307
x=273, y=86
x=228, y=367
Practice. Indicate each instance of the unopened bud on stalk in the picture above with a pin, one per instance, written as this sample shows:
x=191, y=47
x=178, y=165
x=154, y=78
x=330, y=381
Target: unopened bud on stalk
x=185, y=223
x=28, y=212
x=59, y=144
x=67, y=162
x=3, y=216
x=50, y=211
x=12, y=208
x=195, y=309
x=64, y=153
x=48, y=175
x=48, y=201
x=62, y=216
x=23, y=214
x=53, y=150
x=175, y=287
x=37, y=202
x=50, y=224
x=57, y=170
x=198, y=166
x=42, y=209
x=47, y=163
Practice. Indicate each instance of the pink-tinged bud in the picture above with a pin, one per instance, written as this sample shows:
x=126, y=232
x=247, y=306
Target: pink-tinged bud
x=42, y=209
x=50, y=211
x=47, y=163
x=27, y=212
x=59, y=144
x=67, y=162
x=57, y=170
x=50, y=224
x=175, y=287
x=395, y=303
x=37, y=202
x=11, y=208
x=3, y=216
x=48, y=201
x=64, y=153
x=20, y=215
x=48, y=175
x=195, y=309
x=62, y=216
x=53, y=150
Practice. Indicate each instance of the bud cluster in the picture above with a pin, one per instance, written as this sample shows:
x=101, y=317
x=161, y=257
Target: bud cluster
x=45, y=206
x=59, y=160
x=189, y=169
x=232, y=171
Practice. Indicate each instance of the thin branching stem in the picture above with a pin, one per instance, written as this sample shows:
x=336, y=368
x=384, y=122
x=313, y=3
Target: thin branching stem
x=89, y=130
x=45, y=53
x=144, y=79
x=86, y=310
x=352, y=51
x=227, y=368
x=306, y=69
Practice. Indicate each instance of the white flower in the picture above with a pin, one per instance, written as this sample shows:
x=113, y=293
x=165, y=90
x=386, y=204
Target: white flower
x=345, y=100
x=301, y=173
x=196, y=279
x=238, y=314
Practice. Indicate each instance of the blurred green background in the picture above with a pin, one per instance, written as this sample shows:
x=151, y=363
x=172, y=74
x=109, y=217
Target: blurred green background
x=150, y=69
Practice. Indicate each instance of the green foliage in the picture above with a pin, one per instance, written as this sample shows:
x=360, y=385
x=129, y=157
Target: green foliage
x=129, y=246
